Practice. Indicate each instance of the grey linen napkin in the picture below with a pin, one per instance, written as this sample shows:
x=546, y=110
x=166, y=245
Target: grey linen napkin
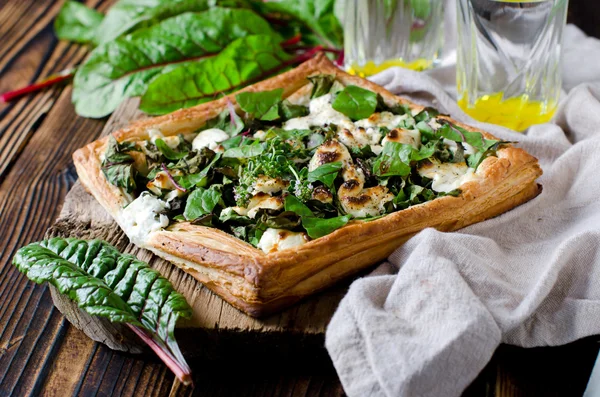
x=426, y=322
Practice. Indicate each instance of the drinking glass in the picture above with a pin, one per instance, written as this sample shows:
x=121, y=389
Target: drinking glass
x=508, y=60
x=382, y=33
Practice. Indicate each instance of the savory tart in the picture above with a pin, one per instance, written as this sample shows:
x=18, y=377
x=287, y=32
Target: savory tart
x=282, y=189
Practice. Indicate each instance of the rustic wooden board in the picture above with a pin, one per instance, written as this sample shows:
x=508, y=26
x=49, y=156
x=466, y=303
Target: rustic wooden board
x=300, y=328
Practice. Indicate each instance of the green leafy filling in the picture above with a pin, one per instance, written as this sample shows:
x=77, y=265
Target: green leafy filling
x=224, y=190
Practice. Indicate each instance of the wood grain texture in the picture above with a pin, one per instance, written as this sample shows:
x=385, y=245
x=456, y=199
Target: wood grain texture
x=42, y=355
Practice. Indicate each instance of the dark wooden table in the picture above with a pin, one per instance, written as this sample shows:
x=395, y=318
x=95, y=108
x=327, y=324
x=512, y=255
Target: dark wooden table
x=41, y=354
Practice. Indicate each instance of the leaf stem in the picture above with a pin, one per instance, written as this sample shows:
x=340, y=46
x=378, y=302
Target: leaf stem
x=37, y=86
x=292, y=40
x=181, y=370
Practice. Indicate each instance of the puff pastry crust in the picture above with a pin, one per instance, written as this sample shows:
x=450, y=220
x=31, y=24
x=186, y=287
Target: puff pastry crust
x=259, y=283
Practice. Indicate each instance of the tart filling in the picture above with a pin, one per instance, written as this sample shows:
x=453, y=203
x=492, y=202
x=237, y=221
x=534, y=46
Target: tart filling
x=280, y=172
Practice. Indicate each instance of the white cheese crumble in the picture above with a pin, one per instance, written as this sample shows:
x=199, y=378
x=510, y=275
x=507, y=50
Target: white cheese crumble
x=141, y=217
x=448, y=176
x=320, y=113
x=274, y=240
x=154, y=134
x=383, y=119
x=453, y=146
x=209, y=138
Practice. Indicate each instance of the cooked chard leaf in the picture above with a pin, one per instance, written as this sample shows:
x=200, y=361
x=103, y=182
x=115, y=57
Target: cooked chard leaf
x=399, y=108
x=263, y=105
x=229, y=215
x=322, y=84
x=315, y=227
x=229, y=121
x=168, y=152
x=319, y=227
x=117, y=165
x=326, y=174
x=201, y=202
x=245, y=151
x=289, y=111
x=241, y=62
x=76, y=22
x=426, y=115
x=124, y=67
x=103, y=282
x=199, y=179
x=355, y=102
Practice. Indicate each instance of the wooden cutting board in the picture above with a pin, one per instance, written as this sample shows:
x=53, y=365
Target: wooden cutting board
x=216, y=329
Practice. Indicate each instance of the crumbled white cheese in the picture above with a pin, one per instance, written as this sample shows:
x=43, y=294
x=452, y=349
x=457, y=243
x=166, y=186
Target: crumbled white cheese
x=260, y=201
x=320, y=113
x=141, y=217
x=408, y=137
x=274, y=240
x=448, y=176
x=264, y=184
x=369, y=202
x=330, y=152
x=453, y=146
x=154, y=134
x=383, y=119
x=260, y=135
x=209, y=138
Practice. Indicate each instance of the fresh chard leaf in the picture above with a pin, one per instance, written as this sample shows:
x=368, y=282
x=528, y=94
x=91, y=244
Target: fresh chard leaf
x=124, y=67
x=326, y=173
x=315, y=227
x=168, y=152
x=262, y=105
x=129, y=15
x=201, y=202
x=103, y=282
x=317, y=15
x=76, y=22
x=355, y=102
x=394, y=160
x=242, y=62
x=322, y=84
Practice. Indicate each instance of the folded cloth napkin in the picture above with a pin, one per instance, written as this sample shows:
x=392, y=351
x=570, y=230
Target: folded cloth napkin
x=426, y=322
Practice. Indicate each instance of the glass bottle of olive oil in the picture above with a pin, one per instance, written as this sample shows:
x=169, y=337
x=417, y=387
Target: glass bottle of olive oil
x=508, y=60
x=379, y=34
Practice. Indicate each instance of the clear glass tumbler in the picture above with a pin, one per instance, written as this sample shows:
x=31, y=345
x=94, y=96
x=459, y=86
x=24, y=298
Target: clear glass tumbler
x=379, y=34
x=508, y=60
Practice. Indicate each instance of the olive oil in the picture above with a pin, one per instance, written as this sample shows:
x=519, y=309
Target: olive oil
x=516, y=113
x=370, y=68
x=508, y=60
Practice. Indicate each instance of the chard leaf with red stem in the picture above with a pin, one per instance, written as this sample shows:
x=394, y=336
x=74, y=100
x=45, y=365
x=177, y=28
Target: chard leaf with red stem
x=103, y=282
x=123, y=67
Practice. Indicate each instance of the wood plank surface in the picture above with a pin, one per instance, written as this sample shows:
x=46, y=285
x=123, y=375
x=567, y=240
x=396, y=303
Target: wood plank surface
x=42, y=354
